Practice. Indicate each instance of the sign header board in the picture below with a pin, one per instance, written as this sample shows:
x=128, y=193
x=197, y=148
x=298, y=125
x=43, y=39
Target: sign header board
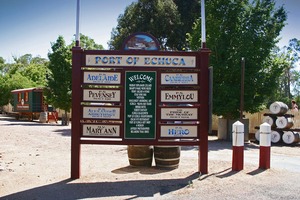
x=141, y=61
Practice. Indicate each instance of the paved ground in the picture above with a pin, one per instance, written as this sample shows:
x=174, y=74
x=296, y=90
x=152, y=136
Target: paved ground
x=35, y=164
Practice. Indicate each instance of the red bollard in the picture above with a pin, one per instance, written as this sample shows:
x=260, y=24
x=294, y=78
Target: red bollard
x=265, y=146
x=237, y=146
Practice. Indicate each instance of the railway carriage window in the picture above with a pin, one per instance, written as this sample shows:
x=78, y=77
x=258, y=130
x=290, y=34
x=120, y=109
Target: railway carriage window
x=26, y=96
x=19, y=97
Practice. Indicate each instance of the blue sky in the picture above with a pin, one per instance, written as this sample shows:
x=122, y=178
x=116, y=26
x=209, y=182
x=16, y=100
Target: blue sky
x=29, y=26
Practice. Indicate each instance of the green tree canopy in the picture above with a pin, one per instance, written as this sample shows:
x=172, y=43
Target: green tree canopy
x=158, y=17
x=292, y=52
x=59, y=85
x=25, y=72
x=237, y=29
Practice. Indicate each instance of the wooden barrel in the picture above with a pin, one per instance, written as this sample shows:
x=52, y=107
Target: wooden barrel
x=140, y=155
x=278, y=107
x=43, y=117
x=284, y=122
x=270, y=120
x=167, y=156
x=276, y=136
x=290, y=137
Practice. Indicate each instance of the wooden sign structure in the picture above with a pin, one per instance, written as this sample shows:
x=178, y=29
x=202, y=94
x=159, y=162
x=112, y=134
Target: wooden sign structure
x=139, y=96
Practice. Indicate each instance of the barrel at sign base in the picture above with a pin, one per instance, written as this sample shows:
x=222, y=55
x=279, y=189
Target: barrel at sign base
x=167, y=156
x=140, y=155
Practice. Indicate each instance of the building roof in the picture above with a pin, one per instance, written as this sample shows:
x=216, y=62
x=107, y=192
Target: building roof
x=34, y=89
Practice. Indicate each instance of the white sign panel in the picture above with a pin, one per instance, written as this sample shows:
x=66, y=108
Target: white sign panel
x=179, y=96
x=178, y=131
x=102, y=77
x=101, y=130
x=101, y=112
x=179, y=78
x=179, y=113
x=101, y=95
x=141, y=61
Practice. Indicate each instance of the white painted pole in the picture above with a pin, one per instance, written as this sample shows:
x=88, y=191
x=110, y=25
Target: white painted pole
x=238, y=134
x=265, y=146
x=203, y=31
x=265, y=135
x=77, y=39
x=237, y=146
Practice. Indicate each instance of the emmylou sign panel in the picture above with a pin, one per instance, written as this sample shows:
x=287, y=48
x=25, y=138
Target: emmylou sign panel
x=101, y=113
x=141, y=61
x=103, y=95
x=179, y=113
x=140, y=105
x=178, y=131
x=179, y=96
x=101, y=130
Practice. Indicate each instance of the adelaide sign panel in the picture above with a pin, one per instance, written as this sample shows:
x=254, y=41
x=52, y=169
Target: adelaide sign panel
x=101, y=77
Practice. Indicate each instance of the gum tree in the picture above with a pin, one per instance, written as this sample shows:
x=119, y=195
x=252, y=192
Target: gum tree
x=59, y=79
x=237, y=29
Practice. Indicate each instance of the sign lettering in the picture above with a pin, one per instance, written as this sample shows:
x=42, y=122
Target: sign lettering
x=141, y=61
x=178, y=131
x=179, y=79
x=179, y=96
x=140, y=105
x=101, y=95
x=102, y=77
x=179, y=113
x=101, y=112
x=101, y=130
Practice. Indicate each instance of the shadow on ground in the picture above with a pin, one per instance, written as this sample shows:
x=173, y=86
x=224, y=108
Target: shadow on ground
x=68, y=189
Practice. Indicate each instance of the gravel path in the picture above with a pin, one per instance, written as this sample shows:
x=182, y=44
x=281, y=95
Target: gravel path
x=35, y=164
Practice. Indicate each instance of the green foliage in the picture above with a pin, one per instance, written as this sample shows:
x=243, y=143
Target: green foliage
x=59, y=78
x=87, y=43
x=293, y=54
x=294, y=50
x=237, y=29
x=25, y=72
x=158, y=17
x=59, y=85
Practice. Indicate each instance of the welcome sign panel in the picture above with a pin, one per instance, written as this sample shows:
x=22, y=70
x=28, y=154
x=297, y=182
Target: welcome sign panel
x=140, y=104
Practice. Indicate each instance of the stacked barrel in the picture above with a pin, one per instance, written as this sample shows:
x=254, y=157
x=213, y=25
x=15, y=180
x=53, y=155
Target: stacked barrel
x=281, y=124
